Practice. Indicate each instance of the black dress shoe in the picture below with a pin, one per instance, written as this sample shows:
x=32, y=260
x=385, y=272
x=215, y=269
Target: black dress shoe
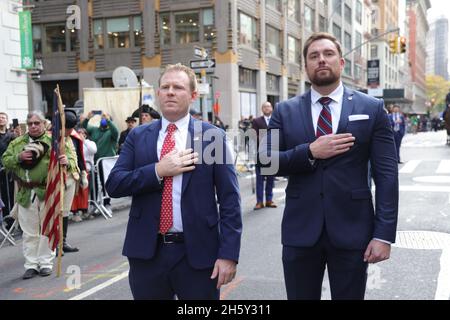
x=68, y=248
x=30, y=273
x=45, y=272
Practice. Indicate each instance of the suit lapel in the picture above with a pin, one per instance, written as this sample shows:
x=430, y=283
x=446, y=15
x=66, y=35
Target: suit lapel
x=151, y=141
x=347, y=109
x=189, y=144
x=306, y=116
x=263, y=123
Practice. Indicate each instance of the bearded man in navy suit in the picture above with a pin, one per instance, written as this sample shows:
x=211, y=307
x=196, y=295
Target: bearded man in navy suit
x=178, y=242
x=327, y=138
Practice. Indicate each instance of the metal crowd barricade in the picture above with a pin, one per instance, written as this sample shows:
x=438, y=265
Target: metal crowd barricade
x=4, y=230
x=7, y=233
x=102, y=169
x=5, y=178
x=242, y=162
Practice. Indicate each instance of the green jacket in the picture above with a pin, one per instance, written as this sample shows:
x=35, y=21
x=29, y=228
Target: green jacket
x=105, y=139
x=39, y=173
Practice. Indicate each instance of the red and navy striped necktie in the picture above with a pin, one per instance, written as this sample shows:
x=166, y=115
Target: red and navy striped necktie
x=325, y=123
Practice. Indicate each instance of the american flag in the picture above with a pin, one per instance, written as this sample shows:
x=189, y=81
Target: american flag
x=53, y=199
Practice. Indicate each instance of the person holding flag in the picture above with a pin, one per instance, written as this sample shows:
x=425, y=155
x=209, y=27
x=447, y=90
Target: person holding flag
x=62, y=175
x=73, y=174
x=27, y=157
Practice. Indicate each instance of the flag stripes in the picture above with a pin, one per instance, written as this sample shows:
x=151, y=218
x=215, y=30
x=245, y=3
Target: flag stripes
x=53, y=200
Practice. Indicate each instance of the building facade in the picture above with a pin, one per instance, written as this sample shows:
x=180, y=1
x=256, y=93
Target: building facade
x=350, y=23
x=437, y=48
x=254, y=47
x=13, y=79
x=385, y=26
x=417, y=54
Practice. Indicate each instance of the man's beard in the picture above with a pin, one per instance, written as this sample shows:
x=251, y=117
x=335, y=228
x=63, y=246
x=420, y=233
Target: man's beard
x=323, y=81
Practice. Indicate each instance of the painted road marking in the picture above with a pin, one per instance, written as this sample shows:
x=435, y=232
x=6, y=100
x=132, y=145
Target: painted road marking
x=410, y=166
x=433, y=179
x=100, y=286
x=444, y=167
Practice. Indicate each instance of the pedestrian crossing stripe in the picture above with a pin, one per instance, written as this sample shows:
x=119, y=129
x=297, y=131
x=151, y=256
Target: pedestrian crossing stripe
x=412, y=165
x=444, y=167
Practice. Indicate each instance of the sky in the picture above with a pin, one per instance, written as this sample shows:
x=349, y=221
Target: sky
x=439, y=8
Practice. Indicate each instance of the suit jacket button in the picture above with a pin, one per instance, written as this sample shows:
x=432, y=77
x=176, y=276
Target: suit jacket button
x=321, y=195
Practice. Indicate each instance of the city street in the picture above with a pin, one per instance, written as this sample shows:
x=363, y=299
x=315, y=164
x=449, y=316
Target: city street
x=419, y=267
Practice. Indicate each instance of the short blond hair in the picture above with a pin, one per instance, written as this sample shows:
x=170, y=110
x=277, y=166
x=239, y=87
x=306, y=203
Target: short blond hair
x=181, y=68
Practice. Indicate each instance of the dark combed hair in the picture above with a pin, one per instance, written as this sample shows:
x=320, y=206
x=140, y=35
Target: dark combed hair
x=318, y=36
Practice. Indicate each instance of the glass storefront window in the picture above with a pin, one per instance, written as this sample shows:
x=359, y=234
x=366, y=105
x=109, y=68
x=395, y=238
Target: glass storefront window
x=247, y=30
x=347, y=42
x=118, y=30
x=73, y=34
x=358, y=42
x=272, y=83
x=273, y=42
x=293, y=50
x=165, y=29
x=55, y=38
x=37, y=39
x=137, y=31
x=293, y=10
x=348, y=67
x=248, y=104
x=274, y=4
x=208, y=25
x=98, y=34
x=337, y=31
x=309, y=18
x=187, y=28
x=247, y=78
x=322, y=24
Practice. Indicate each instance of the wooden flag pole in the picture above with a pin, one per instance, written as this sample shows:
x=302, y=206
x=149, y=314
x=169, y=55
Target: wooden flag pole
x=61, y=172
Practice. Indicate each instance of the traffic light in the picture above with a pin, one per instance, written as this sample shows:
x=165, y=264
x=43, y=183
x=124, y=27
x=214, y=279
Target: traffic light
x=402, y=45
x=393, y=45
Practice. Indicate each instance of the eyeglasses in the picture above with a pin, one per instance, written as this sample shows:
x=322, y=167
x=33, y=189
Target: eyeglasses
x=36, y=123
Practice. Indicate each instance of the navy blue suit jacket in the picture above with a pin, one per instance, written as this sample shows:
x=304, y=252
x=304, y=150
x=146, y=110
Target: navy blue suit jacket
x=402, y=123
x=210, y=232
x=334, y=193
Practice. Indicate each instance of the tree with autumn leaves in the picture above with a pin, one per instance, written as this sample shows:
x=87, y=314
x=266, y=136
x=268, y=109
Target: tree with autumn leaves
x=437, y=89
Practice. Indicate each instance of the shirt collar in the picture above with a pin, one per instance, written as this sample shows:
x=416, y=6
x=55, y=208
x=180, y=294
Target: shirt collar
x=336, y=95
x=182, y=124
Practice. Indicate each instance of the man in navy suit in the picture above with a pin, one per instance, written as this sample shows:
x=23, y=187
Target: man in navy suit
x=179, y=241
x=327, y=137
x=260, y=125
x=398, y=124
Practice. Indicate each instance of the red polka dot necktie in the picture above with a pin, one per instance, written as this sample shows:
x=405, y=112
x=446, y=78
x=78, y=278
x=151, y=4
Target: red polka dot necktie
x=325, y=123
x=166, y=219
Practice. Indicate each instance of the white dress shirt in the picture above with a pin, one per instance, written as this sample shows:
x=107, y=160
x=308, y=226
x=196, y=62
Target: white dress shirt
x=267, y=119
x=180, y=136
x=337, y=97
